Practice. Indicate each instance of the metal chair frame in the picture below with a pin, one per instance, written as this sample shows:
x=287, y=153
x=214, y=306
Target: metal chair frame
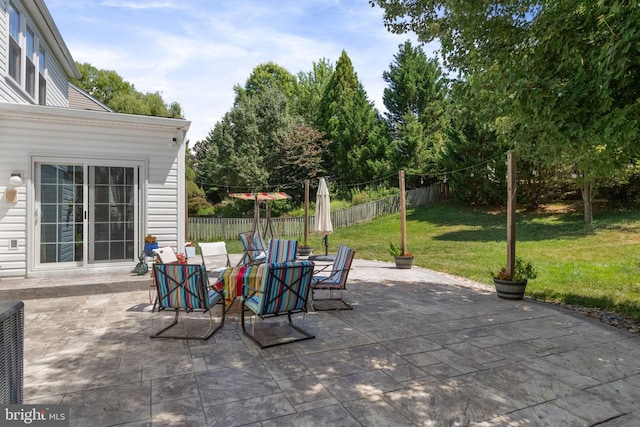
x=341, y=268
x=254, y=247
x=195, y=285
x=297, y=289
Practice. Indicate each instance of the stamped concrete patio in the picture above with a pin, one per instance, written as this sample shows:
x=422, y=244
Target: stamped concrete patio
x=419, y=349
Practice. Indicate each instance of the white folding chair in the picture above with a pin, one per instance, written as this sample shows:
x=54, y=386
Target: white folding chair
x=166, y=255
x=214, y=256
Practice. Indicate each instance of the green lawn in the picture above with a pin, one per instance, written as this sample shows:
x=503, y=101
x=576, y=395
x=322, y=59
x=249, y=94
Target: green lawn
x=595, y=265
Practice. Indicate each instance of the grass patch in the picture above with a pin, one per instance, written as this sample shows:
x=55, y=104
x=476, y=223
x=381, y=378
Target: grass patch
x=595, y=265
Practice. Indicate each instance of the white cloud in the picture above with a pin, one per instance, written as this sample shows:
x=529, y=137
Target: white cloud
x=138, y=4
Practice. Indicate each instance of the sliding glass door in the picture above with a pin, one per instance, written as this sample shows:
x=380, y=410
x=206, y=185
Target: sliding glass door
x=88, y=214
x=62, y=189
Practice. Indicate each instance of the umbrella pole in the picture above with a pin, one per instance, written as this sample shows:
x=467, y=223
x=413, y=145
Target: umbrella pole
x=326, y=244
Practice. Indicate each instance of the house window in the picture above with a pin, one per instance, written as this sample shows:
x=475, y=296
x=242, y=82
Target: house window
x=30, y=81
x=15, y=53
x=42, y=81
x=26, y=61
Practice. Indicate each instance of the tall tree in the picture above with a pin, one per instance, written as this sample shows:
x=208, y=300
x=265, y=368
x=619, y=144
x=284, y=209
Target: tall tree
x=243, y=150
x=109, y=88
x=472, y=159
x=349, y=120
x=268, y=76
x=309, y=90
x=229, y=158
x=300, y=158
x=415, y=101
x=564, y=74
x=103, y=85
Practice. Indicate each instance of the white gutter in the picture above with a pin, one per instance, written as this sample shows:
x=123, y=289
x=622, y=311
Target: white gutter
x=60, y=114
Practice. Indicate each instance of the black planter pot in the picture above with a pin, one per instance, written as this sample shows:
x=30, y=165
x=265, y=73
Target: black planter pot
x=509, y=290
x=305, y=250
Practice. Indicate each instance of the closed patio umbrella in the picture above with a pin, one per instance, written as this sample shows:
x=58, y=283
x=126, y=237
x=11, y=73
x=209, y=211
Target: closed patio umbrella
x=322, y=223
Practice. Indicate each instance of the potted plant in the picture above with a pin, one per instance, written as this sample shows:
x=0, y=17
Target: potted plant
x=404, y=260
x=513, y=287
x=304, y=249
x=150, y=243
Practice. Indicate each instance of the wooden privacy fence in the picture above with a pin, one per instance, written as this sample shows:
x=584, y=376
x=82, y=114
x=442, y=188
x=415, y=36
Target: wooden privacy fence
x=202, y=229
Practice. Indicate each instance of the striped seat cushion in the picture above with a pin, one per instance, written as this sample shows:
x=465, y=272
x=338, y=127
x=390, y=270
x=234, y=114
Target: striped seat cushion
x=285, y=288
x=183, y=286
x=254, y=249
x=339, y=270
x=280, y=250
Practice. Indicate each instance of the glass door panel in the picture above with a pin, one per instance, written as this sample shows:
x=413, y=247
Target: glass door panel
x=112, y=205
x=61, y=221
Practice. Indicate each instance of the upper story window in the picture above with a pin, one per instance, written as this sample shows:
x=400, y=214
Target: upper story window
x=27, y=57
x=30, y=71
x=15, y=53
x=42, y=81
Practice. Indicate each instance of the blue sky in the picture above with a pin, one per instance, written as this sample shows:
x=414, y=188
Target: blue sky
x=195, y=51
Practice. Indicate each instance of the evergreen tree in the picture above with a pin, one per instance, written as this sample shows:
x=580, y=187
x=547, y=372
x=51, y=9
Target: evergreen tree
x=415, y=101
x=350, y=122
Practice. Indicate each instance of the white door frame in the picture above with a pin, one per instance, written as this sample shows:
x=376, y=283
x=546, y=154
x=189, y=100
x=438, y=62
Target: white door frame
x=34, y=215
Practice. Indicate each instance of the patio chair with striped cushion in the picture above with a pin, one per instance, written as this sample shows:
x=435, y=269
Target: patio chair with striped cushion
x=284, y=290
x=254, y=250
x=280, y=250
x=336, y=281
x=184, y=287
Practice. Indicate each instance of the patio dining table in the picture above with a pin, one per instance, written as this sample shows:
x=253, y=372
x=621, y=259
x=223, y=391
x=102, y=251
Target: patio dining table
x=233, y=279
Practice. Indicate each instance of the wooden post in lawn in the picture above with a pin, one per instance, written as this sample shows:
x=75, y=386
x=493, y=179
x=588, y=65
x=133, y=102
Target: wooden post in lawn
x=403, y=215
x=306, y=211
x=511, y=212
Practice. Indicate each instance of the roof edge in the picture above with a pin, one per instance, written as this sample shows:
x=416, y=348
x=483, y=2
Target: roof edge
x=89, y=116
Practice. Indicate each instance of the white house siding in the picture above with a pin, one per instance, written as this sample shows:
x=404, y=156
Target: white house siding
x=80, y=100
x=57, y=87
x=30, y=132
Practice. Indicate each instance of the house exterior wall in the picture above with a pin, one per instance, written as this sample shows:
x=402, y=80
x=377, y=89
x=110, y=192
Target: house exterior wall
x=80, y=100
x=30, y=133
x=57, y=87
x=10, y=91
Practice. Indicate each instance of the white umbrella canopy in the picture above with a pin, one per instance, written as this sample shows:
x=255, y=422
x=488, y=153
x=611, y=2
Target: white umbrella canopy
x=322, y=223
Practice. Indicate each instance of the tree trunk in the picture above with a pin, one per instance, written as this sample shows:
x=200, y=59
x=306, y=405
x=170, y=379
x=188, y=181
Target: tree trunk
x=587, y=198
